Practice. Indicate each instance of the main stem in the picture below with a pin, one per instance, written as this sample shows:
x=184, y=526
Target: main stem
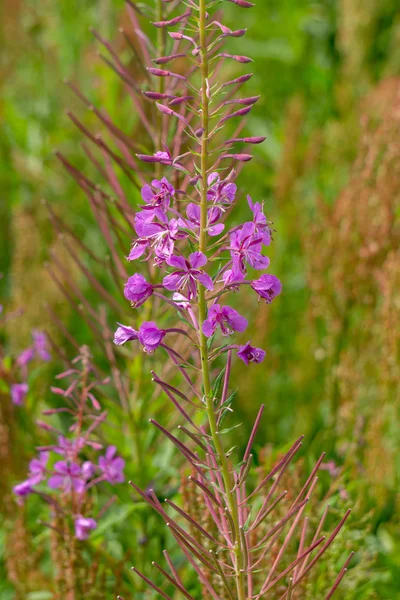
x=226, y=473
x=161, y=38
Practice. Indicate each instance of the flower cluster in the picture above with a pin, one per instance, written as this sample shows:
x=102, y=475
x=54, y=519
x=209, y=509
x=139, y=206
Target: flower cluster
x=160, y=226
x=76, y=463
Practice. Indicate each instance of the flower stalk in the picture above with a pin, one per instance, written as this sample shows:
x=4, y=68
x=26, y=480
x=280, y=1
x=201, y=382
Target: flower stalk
x=211, y=416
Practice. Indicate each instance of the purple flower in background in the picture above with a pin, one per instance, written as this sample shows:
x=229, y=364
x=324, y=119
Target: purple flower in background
x=40, y=345
x=37, y=467
x=150, y=336
x=69, y=448
x=188, y=273
x=83, y=527
x=124, y=334
x=37, y=472
x=260, y=223
x=246, y=248
x=23, y=489
x=157, y=202
x=67, y=476
x=25, y=357
x=112, y=466
x=225, y=317
x=220, y=192
x=249, y=353
x=192, y=220
x=88, y=470
x=18, y=393
x=267, y=287
x=137, y=290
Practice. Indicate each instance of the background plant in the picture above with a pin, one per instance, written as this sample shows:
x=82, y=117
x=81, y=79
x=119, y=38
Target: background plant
x=305, y=50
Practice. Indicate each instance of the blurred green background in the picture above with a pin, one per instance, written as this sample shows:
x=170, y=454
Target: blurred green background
x=329, y=172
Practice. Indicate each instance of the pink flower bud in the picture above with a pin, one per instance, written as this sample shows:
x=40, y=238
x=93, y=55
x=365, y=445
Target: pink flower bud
x=162, y=73
x=171, y=22
x=247, y=140
x=156, y=96
x=239, y=157
x=168, y=111
x=239, y=113
x=163, y=60
x=180, y=100
x=242, y=3
x=237, y=57
x=239, y=80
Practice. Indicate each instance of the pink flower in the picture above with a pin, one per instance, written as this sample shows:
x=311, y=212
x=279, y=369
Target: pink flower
x=18, y=393
x=225, y=317
x=267, y=287
x=187, y=275
x=83, y=527
x=137, y=290
x=124, y=334
x=112, y=466
x=67, y=476
x=150, y=336
x=157, y=202
x=221, y=192
x=249, y=353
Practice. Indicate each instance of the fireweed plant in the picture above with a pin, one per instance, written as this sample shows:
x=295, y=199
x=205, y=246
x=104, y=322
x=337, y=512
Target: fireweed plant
x=65, y=473
x=197, y=265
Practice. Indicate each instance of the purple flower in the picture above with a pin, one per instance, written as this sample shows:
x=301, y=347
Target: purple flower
x=181, y=301
x=150, y=336
x=23, y=489
x=249, y=353
x=157, y=202
x=220, y=192
x=18, y=393
x=37, y=467
x=25, y=357
x=267, y=286
x=160, y=237
x=260, y=223
x=192, y=220
x=112, y=466
x=137, y=290
x=187, y=274
x=124, y=334
x=87, y=470
x=83, y=527
x=67, y=476
x=225, y=317
x=37, y=472
x=69, y=448
x=245, y=248
x=40, y=345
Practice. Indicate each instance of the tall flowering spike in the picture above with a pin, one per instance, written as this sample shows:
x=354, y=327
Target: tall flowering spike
x=195, y=265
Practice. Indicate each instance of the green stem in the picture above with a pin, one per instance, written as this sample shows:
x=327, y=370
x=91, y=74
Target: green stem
x=161, y=44
x=202, y=305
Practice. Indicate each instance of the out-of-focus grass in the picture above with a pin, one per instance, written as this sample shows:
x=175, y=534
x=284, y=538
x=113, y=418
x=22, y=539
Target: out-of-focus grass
x=314, y=63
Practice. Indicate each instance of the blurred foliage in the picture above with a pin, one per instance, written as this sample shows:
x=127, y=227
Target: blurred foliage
x=328, y=72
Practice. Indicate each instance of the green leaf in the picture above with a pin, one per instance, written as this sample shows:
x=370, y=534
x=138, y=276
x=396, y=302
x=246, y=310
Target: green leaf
x=223, y=431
